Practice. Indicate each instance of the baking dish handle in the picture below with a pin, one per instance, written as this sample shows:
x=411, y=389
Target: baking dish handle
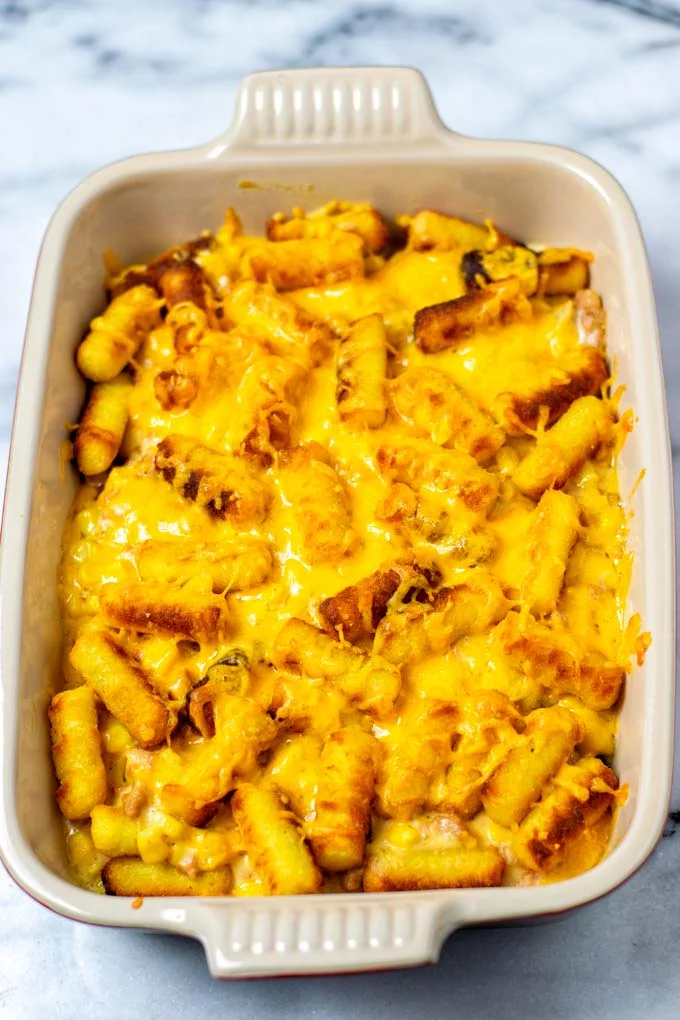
x=366, y=107
x=293, y=936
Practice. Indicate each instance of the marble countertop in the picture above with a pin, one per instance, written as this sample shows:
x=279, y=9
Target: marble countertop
x=85, y=82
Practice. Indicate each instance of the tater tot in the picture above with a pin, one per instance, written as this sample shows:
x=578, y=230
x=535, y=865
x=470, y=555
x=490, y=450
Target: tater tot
x=265, y=406
x=289, y=265
x=565, y=812
x=184, y=282
x=128, y=876
x=115, y=336
x=343, y=800
x=561, y=670
x=559, y=452
x=418, y=754
x=363, y=220
x=453, y=323
x=361, y=368
x=231, y=565
x=221, y=483
x=155, y=609
x=431, y=402
x=553, y=530
x=563, y=271
x=585, y=373
x=432, y=868
x=274, y=842
x=320, y=503
x=76, y=752
x=428, y=231
x=102, y=426
x=550, y=736
x=369, y=680
x=292, y=331
x=240, y=731
x=122, y=686
x=456, y=610
x=355, y=612
x=458, y=475
x=114, y=833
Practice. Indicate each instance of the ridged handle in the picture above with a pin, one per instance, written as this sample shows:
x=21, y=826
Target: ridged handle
x=348, y=106
x=251, y=937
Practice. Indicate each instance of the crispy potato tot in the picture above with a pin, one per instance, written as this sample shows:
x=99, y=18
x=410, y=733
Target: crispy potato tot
x=155, y=609
x=587, y=426
x=363, y=220
x=231, y=565
x=320, y=502
x=549, y=738
x=128, y=876
x=115, y=336
x=420, y=516
x=77, y=752
x=229, y=676
x=522, y=412
x=122, y=279
x=431, y=403
x=184, y=282
x=598, y=683
x=454, y=323
x=542, y=655
x=563, y=271
x=432, y=231
x=265, y=407
x=362, y=364
x=488, y=727
x=290, y=265
x=421, y=868
x=290, y=330
x=114, y=833
x=274, y=843
x=355, y=612
x=553, y=531
x=418, y=755
x=241, y=732
x=598, y=728
x=580, y=796
x=294, y=771
x=221, y=483
x=458, y=475
x=369, y=680
x=482, y=267
x=345, y=791
x=102, y=426
x=123, y=687
x=466, y=608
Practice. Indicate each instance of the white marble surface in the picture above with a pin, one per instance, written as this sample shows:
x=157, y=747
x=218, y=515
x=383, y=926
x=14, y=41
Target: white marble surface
x=84, y=83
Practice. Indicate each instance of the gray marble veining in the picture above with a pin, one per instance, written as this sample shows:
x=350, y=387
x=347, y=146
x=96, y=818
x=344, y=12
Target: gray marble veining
x=85, y=82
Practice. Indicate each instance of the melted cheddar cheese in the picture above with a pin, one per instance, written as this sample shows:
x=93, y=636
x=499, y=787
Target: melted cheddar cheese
x=247, y=496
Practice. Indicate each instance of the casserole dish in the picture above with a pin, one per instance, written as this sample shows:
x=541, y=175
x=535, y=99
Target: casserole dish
x=363, y=135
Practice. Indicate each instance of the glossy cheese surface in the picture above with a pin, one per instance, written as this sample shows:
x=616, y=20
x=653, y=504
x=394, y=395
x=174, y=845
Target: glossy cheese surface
x=337, y=502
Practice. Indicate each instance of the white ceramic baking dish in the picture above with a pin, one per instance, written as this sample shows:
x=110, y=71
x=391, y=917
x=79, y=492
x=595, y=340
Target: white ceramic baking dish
x=305, y=137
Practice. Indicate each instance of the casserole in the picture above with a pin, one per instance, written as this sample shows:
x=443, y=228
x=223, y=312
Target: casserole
x=368, y=135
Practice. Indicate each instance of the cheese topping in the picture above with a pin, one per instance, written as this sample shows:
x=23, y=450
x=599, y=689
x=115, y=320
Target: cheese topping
x=278, y=470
